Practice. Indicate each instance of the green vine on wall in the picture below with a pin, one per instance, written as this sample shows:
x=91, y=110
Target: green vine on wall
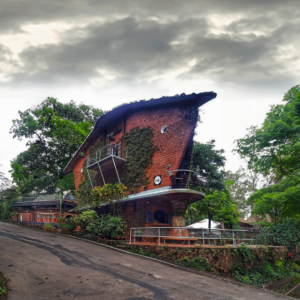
x=140, y=149
x=83, y=193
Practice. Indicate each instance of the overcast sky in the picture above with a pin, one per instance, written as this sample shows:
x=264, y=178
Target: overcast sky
x=105, y=53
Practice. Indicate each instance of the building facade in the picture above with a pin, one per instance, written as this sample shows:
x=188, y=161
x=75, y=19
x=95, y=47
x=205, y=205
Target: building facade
x=42, y=208
x=172, y=121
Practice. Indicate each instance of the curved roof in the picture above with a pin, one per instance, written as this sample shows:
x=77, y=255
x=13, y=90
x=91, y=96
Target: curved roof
x=124, y=109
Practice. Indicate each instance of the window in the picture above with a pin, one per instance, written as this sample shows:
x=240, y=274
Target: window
x=164, y=129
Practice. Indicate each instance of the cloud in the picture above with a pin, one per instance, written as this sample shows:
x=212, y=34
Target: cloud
x=114, y=41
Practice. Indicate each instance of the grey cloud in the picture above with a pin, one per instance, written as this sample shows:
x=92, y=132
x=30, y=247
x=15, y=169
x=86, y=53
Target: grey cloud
x=15, y=14
x=126, y=47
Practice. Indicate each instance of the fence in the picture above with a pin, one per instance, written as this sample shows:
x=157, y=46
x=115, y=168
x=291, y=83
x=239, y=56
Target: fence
x=202, y=235
x=110, y=150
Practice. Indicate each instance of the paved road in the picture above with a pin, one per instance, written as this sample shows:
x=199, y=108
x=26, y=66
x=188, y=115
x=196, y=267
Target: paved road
x=44, y=266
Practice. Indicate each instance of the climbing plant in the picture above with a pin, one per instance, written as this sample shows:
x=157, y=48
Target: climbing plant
x=141, y=149
x=83, y=193
x=110, y=194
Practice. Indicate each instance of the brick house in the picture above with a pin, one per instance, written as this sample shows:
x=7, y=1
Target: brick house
x=42, y=208
x=173, y=121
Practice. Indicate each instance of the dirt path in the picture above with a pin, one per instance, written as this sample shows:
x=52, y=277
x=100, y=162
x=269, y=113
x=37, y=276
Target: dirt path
x=44, y=266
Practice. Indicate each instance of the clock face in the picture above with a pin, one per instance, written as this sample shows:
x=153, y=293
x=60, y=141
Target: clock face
x=157, y=180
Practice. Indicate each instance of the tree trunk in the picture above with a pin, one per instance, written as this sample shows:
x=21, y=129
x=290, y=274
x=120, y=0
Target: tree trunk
x=209, y=220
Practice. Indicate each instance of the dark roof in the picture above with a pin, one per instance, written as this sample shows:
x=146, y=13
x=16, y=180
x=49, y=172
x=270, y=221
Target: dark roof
x=43, y=203
x=123, y=109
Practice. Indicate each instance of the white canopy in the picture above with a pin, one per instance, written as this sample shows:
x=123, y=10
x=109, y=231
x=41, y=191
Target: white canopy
x=203, y=224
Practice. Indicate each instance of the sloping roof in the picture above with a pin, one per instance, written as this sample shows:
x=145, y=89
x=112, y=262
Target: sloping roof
x=123, y=109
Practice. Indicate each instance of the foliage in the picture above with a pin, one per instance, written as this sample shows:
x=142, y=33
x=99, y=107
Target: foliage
x=219, y=207
x=279, y=201
x=48, y=226
x=110, y=194
x=199, y=263
x=284, y=233
x=275, y=146
x=270, y=271
x=68, y=223
x=54, y=131
x=208, y=163
x=108, y=226
x=86, y=218
x=139, y=144
x=4, y=182
x=240, y=186
x=7, y=197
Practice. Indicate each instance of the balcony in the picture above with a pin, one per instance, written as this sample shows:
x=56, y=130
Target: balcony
x=183, y=178
x=108, y=158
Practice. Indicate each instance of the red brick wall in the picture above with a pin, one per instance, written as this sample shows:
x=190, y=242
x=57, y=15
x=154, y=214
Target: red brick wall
x=172, y=144
x=138, y=217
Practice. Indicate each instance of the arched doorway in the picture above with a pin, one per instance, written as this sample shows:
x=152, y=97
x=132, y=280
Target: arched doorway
x=161, y=217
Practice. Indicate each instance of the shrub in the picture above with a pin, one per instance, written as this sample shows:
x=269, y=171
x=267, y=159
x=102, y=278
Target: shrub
x=284, y=233
x=108, y=226
x=48, y=226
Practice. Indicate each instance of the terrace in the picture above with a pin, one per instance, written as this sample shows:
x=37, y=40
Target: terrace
x=106, y=159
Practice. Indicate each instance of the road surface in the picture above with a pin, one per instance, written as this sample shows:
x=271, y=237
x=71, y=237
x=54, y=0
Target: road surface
x=44, y=266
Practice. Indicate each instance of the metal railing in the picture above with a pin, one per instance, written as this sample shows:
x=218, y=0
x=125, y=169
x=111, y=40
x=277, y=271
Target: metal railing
x=201, y=235
x=110, y=150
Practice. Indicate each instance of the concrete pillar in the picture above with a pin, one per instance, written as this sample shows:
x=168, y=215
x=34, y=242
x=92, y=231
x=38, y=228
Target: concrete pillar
x=179, y=207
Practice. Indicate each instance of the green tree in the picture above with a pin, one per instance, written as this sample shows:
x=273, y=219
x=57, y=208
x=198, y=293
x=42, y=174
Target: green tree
x=4, y=182
x=275, y=146
x=219, y=207
x=7, y=197
x=240, y=186
x=53, y=131
x=273, y=150
x=279, y=201
x=209, y=164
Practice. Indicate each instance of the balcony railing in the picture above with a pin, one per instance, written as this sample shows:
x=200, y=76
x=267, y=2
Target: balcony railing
x=111, y=150
x=110, y=157
x=202, y=235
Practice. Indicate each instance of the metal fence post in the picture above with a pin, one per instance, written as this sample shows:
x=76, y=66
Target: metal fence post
x=203, y=236
x=130, y=236
x=158, y=236
x=233, y=239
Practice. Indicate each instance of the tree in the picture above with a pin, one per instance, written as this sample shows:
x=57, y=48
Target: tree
x=54, y=131
x=275, y=146
x=209, y=164
x=4, y=182
x=218, y=206
x=241, y=185
x=273, y=150
x=280, y=201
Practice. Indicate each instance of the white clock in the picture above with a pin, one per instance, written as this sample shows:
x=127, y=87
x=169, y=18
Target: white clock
x=157, y=180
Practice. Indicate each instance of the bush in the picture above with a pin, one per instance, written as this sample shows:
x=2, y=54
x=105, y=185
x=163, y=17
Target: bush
x=86, y=218
x=48, y=226
x=284, y=233
x=199, y=263
x=107, y=226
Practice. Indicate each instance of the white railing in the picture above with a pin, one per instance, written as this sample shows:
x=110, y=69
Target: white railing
x=110, y=150
x=201, y=235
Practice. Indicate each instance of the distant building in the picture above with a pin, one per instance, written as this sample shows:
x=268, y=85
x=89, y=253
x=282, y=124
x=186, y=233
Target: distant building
x=41, y=208
x=173, y=122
